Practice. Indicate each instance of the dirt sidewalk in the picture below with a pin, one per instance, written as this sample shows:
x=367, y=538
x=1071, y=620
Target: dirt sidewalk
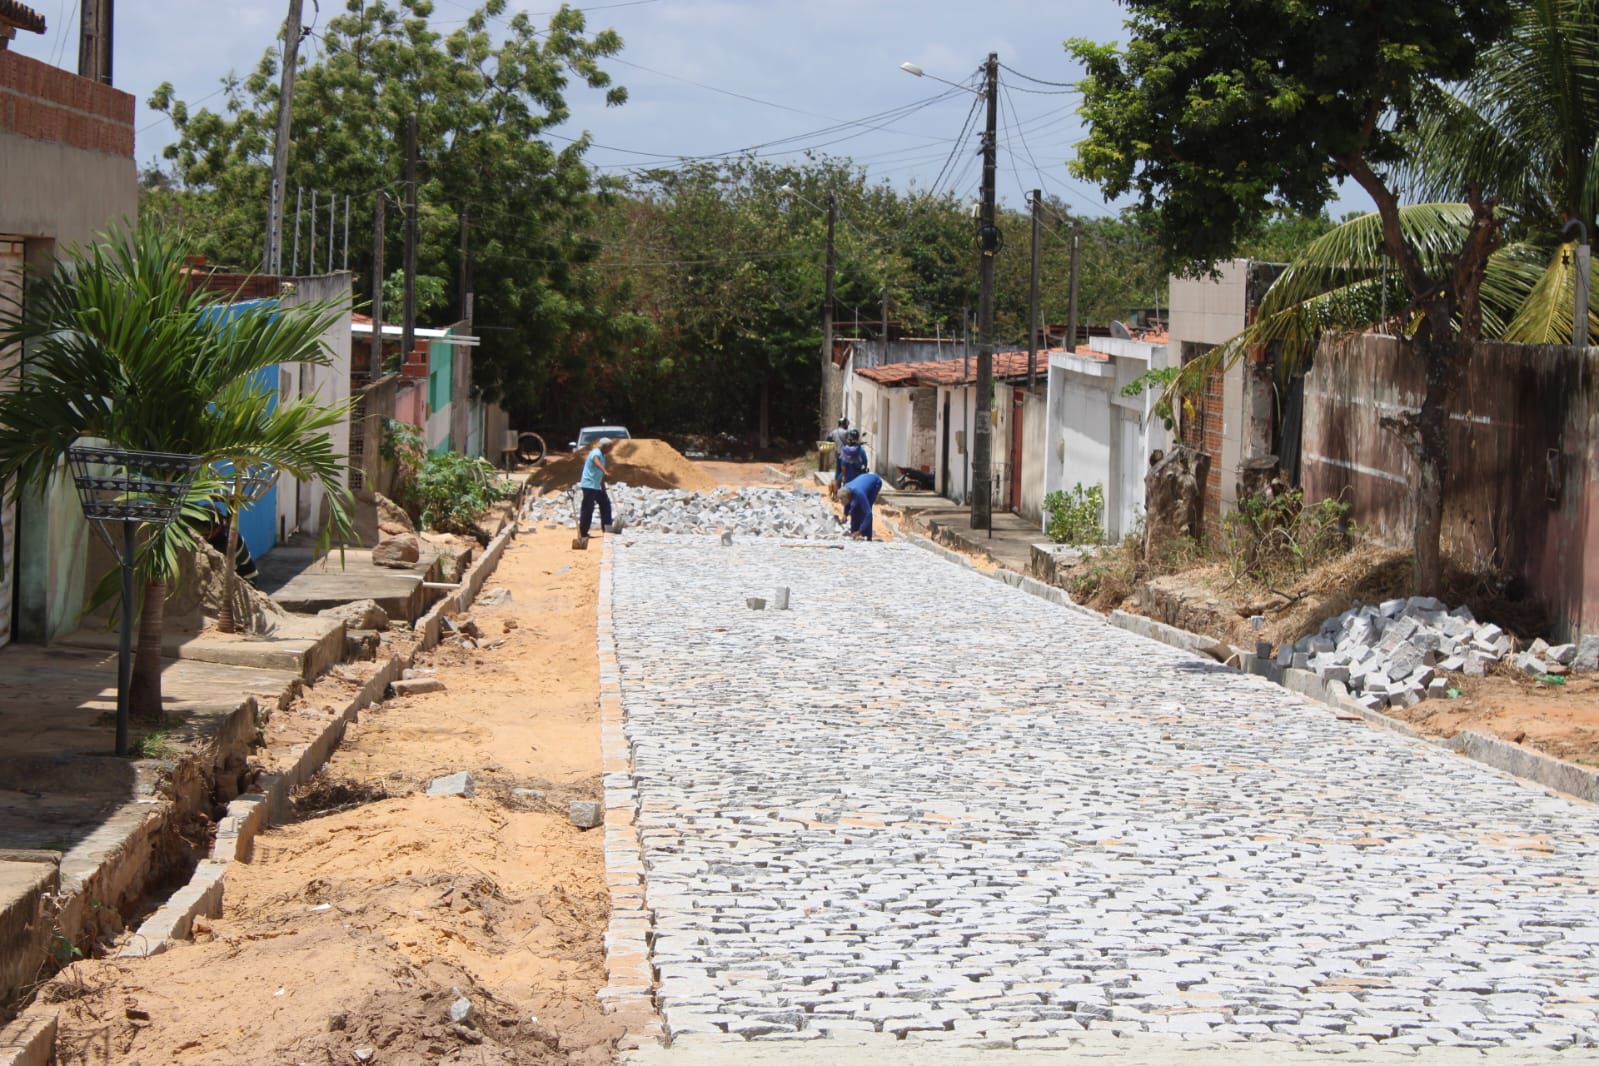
x=356, y=929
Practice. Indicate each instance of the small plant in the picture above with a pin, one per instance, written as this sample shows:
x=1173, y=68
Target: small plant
x=1159, y=378
x=446, y=491
x=1076, y=517
x=155, y=745
x=452, y=491
x=1277, y=538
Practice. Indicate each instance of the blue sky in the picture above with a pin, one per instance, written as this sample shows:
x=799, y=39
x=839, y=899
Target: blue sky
x=807, y=65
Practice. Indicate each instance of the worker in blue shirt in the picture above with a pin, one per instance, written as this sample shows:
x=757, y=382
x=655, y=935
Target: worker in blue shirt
x=851, y=459
x=593, y=485
x=858, y=496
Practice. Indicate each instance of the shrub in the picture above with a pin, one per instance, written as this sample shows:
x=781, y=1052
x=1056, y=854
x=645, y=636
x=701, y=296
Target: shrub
x=1076, y=517
x=1271, y=539
x=446, y=491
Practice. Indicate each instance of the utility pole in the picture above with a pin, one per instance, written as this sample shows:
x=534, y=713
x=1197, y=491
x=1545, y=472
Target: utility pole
x=987, y=241
x=827, y=324
x=463, y=284
x=280, y=152
x=377, y=283
x=1032, y=302
x=885, y=328
x=94, y=40
x=1071, y=301
x=408, y=326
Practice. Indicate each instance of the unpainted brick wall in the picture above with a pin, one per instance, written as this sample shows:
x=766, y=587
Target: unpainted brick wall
x=50, y=104
x=1201, y=429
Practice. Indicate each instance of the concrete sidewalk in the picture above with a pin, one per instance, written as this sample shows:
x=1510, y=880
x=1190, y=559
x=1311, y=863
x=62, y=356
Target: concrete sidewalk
x=1008, y=544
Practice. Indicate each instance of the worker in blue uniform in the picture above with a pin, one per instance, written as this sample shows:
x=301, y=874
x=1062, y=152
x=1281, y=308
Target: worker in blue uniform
x=858, y=495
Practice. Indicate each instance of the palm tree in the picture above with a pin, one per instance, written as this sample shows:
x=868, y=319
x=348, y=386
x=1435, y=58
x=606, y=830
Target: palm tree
x=120, y=347
x=1519, y=138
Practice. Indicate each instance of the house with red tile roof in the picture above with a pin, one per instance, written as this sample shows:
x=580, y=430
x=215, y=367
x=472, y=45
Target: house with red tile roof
x=920, y=415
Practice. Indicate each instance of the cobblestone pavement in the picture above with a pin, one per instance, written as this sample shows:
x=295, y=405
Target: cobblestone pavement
x=922, y=803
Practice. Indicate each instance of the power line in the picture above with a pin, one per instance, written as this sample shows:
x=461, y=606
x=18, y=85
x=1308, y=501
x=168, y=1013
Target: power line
x=1040, y=81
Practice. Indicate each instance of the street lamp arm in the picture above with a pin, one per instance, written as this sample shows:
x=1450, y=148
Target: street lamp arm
x=917, y=72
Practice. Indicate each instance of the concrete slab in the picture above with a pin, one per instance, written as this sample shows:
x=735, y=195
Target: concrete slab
x=305, y=644
x=62, y=790
x=300, y=580
x=1009, y=544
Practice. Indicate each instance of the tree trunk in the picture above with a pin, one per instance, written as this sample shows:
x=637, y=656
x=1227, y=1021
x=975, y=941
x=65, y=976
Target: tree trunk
x=1443, y=360
x=230, y=578
x=144, y=692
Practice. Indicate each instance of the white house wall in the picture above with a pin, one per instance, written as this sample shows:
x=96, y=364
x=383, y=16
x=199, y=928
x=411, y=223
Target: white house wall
x=1035, y=438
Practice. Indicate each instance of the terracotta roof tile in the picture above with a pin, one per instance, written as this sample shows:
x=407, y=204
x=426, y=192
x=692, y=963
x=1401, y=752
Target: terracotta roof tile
x=21, y=16
x=952, y=371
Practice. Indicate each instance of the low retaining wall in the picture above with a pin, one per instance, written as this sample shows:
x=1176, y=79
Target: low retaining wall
x=33, y=1034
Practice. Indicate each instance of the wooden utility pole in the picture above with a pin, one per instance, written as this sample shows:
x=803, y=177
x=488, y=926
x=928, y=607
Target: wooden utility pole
x=1032, y=301
x=1071, y=300
x=885, y=327
x=463, y=284
x=408, y=326
x=988, y=244
x=828, y=390
x=273, y=260
x=94, y=40
x=378, y=211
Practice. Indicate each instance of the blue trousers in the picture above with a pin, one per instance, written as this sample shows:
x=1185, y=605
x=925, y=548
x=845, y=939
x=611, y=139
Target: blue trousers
x=590, y=498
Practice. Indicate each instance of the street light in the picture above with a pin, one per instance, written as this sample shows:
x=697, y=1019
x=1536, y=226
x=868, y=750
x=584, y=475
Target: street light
x=117, y=486
x=917, y=72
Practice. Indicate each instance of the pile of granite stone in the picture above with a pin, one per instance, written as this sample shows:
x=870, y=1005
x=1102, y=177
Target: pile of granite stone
x=758, y=512
x=1396, y=653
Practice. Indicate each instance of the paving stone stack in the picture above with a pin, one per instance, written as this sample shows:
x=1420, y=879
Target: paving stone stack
x=759, y=512
x=1396, y=653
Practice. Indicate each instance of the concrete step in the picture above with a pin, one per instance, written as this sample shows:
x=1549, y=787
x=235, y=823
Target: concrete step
x=304, y=644
x=299, y=580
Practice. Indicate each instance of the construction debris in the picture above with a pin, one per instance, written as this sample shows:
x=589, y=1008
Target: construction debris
x=458, y=784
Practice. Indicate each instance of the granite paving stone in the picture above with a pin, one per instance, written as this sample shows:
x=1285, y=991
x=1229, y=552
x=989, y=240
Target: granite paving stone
x=926, y=803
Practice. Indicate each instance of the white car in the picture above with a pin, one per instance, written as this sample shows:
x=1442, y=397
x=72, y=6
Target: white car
x=588, y=435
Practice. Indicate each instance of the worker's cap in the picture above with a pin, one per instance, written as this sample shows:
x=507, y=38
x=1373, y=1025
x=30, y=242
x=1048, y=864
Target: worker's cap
x=843, y=421
x=603, y=441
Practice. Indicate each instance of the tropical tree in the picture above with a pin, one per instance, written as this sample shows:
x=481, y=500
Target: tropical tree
x=488, y=88
x=1217, y=114
x=122, y=348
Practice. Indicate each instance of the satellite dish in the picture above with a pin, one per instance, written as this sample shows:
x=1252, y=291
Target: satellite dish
x=1120, y=331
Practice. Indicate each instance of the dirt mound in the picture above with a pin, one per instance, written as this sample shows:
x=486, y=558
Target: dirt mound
x=651, y=464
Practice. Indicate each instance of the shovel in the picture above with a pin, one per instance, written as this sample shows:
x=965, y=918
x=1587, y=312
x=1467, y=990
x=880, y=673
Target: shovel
x=579, y=542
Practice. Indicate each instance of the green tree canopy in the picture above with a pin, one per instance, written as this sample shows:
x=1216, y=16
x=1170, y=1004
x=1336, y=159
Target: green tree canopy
x=488, y=94
x=1215, y=114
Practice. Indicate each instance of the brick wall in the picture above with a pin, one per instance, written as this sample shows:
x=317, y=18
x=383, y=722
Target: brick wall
x=235, y=286
x=1202, y=429
x=50, y=104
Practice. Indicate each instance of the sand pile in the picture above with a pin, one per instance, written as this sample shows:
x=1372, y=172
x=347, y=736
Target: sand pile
x=645, y=463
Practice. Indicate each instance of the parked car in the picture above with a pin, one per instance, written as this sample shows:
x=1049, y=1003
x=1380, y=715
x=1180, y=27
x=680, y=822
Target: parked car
x=589, y=434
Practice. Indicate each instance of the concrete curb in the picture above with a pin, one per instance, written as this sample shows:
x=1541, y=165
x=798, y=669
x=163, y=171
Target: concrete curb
x=249, y=814
x=629, y=990
x=31, y=1039
x=1531, y=767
